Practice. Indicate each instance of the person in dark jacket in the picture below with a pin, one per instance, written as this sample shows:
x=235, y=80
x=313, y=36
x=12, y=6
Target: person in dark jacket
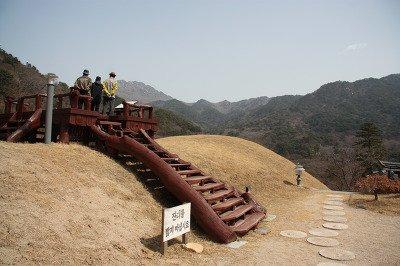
x=96, y=90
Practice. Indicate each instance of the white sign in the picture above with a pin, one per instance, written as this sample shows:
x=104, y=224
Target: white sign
x=176, y=221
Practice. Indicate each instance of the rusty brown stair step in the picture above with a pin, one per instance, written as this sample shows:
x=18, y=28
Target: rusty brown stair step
x=188, y=172
x=17, y=122
x=209, y=186
x=179, y=164
x=160, y=152
x=249, y=222
x=227, y=204
x=104, y=122
x=168, y=159
x=197, y=179
x=218, y=195
x=3, y=135
x=140, y=140
x=236, y=213
x=8, y=129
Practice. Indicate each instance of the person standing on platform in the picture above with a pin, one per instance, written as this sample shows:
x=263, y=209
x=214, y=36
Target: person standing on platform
x=110, y=87
x=96, y=91
x=82, y=85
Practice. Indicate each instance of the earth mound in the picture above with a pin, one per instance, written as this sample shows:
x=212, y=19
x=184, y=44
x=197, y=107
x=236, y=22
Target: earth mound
x=70, y=204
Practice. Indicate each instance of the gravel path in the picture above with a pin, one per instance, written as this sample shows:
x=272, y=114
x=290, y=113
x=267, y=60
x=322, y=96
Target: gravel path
x=374, y=238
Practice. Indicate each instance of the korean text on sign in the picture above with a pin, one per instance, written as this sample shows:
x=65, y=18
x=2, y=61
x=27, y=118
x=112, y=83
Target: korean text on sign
x=176, y=221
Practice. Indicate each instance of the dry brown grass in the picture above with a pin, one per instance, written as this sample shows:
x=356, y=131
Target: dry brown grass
x=70, y=204
x=386, y=204
x=240, y=162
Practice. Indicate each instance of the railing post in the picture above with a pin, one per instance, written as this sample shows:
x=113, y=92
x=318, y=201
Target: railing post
x=74, y=98
x=38, y=102
x=140, y=113
x=59, y=102
x=126, y=109
x=20, y=106
x=49, y=113
x=8, y=105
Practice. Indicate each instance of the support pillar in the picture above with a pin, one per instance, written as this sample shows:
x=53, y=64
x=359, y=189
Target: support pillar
x=49, y=113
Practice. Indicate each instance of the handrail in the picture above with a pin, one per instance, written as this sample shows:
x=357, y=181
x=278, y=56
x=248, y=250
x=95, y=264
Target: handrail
x=206, y=217
x=127, y=109
x=9, y=102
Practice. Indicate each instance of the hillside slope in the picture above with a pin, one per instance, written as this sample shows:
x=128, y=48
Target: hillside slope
x=18, y=79
x=240, y=162
x=70, y=204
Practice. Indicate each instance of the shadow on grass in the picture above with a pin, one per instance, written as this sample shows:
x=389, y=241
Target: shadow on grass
x=155, y=244
x=288, y=183
x=159, y=193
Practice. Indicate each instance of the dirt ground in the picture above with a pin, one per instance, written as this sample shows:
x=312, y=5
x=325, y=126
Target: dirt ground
x=386, y=204
x=70, y=204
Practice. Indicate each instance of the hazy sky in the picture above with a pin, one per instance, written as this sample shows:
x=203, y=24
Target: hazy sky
x=216, y=50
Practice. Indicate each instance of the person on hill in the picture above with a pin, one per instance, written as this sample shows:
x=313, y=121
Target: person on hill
x=110, y=88
x=82, y=85
x=96, y=91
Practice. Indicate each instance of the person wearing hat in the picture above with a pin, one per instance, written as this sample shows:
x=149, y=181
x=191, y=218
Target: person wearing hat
x=83, y=84
x=110, y=87
x=96, y=91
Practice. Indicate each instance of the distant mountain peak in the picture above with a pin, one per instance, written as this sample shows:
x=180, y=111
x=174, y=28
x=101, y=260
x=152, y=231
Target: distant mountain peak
x=143, y=93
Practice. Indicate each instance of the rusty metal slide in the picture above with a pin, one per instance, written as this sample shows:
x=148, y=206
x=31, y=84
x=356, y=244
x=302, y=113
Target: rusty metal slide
x=222, y=211
x=15, y=129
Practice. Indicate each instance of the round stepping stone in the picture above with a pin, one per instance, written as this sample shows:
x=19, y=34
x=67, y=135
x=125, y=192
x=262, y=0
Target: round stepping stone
x=293, y=234
x=236, y=244
x=338, y=213
x=335, y=226
x=329, y=263
x=334, y=208
x=337, y=254
x=334, y=199
x=270, y=217
x=323, y=232
x=322, y=241
x=335, y=219
x=334, y=203
x=335, y=196
x=263, y=230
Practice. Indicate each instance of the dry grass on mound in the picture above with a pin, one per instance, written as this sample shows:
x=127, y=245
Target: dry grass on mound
x=240, y=162
x=70, y=204
x=386, y=204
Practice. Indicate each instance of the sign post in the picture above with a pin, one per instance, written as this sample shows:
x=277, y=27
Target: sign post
x=175, y=222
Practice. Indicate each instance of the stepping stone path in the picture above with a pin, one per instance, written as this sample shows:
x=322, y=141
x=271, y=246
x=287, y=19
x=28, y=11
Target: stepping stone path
x=323, y=232
x=337, y=254
x=270, y=217
x=335, y=196
x=335, y=226
x=322, y=241
x=335, y=219
x=330, y=264
x=334, y=203
x=321, y=236
x=336, y=213
x=236, y=244
x=263, y=230
x=293, y=234
x=334, y=208
x=335, y=199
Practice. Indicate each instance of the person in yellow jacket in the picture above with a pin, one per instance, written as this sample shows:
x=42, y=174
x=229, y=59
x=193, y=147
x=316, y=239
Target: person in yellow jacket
x=110, y=87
